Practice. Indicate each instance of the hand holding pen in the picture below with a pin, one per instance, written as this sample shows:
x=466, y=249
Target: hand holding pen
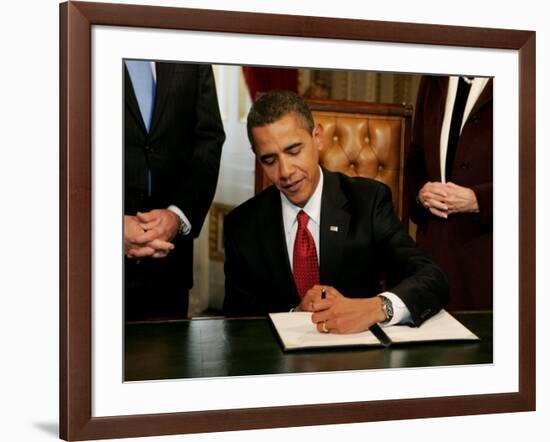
x=318, y=298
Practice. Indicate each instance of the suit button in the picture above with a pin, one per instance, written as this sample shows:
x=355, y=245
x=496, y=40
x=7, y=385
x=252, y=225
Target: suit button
x=465, y=165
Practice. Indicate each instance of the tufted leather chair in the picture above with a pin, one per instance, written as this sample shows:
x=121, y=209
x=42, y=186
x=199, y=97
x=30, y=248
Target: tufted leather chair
x=363, y=139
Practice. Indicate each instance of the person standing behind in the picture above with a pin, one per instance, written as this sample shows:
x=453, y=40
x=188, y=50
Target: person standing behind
x=449, y=183
x=173, y=137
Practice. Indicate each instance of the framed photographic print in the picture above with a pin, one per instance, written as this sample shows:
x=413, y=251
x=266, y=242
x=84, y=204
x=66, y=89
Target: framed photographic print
x=95, y=402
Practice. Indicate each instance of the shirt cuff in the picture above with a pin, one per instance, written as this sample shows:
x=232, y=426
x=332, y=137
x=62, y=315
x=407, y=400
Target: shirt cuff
x=401, y=314
x=185, y=222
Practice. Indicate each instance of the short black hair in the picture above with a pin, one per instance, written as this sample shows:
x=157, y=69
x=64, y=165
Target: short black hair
x=274, y=105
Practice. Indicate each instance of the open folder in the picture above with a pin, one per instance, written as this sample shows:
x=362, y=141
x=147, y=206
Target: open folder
x=296, y=331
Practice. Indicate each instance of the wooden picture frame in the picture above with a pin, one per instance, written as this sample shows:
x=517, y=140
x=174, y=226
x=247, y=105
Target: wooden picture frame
x=76, y=21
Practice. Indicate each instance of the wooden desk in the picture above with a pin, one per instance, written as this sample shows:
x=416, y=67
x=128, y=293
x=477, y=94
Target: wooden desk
x=249, y=346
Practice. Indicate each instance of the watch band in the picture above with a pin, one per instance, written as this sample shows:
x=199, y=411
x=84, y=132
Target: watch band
x=181, y=227
x=387, y=308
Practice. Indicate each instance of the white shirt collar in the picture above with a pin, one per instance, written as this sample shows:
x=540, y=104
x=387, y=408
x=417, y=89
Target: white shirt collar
x=312, y=207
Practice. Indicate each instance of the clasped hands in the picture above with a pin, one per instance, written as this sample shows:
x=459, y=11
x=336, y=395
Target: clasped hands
x=149, y=234
x=338, y=314
x=444, y=199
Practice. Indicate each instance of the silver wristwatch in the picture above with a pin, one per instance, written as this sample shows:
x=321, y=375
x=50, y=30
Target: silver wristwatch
x=181, y=227
x=387, y=308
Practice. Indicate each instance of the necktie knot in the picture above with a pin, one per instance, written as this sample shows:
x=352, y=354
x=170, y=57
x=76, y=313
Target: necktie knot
x=303, y=219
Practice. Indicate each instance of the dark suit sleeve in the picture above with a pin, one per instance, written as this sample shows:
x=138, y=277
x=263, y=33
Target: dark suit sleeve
x=415, y=166
x=200, y=176
x=484, y=196
x=239, y=282
x=415, y=277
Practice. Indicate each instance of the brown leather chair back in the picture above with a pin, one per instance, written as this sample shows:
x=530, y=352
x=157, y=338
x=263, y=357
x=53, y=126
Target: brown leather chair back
x=362, y=139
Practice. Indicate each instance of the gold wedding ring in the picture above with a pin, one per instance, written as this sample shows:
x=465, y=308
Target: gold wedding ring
x=324, y=328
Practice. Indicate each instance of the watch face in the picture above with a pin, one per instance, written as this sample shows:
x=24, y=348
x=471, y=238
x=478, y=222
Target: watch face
x=388, y=308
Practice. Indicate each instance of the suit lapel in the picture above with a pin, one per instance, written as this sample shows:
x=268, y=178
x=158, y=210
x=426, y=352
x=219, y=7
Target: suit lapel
x=165, y=77
x=274, y=244
x=131, y=100
x=334, y=228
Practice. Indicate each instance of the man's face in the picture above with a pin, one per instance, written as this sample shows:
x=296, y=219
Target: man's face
x=289, y=155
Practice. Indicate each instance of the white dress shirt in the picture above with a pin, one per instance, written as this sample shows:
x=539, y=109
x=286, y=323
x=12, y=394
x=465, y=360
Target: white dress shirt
x=401, y=314
x=475, y=91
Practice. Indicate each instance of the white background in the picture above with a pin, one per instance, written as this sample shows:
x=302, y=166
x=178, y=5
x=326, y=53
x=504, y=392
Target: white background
x=29, y=219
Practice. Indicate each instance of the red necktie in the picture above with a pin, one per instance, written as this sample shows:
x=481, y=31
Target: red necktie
x=305, y=264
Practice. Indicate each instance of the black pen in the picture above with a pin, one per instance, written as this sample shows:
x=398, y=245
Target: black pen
x=323, y=293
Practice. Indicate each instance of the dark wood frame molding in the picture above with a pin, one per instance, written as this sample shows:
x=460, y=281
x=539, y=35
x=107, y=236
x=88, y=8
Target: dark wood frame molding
x=76, y=21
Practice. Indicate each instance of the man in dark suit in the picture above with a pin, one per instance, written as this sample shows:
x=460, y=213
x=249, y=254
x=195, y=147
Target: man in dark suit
x=318, y=241
x=173, y=136
x=449, y=181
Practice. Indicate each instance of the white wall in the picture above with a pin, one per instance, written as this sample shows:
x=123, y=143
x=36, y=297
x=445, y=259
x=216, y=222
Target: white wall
x=236, y=180
x=29, y=219
x=235, y=184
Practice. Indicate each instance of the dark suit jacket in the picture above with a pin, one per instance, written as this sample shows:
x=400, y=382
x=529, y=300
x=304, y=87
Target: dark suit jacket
x=182, y=150
x=462, y=244
x=370, y=239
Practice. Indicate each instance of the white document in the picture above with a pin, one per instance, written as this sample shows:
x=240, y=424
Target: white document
x=296, y=331
x=440, y=327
